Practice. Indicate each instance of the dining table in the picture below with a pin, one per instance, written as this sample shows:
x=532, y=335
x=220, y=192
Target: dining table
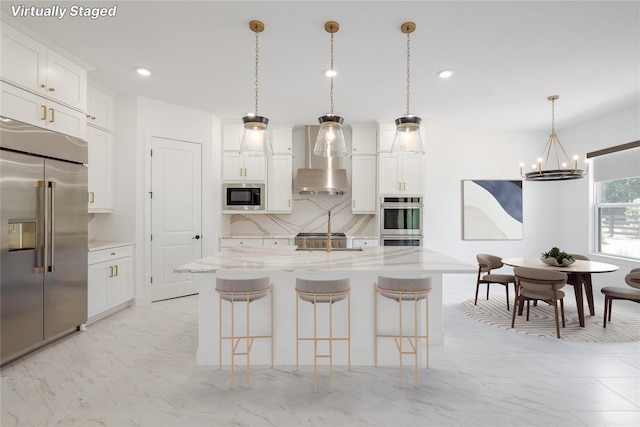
x=578, y=275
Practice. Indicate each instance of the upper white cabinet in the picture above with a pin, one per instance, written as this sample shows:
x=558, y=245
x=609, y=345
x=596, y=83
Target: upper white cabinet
x=101, y=141
x=237, y=168
x=279, y=183
x=400, y=174
x=280, y=170
x=100, y=109
x=30, y=108
x=363, y=169
x=386, y=133
x=363, y=184
x=231, y=136
x=35, y=68
x=282, y=139
x=363, y=139
x=101, y=170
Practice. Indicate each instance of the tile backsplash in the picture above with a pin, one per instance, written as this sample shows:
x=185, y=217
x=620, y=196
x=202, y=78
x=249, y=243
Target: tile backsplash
x=309, y=215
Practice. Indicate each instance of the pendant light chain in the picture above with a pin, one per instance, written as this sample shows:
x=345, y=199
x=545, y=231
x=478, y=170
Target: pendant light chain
x=256, y=75
x=408, y=70
x=553, y=116
x=331, y=84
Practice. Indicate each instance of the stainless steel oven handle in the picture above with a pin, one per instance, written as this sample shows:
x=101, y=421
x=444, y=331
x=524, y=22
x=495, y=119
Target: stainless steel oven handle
x=401, y=205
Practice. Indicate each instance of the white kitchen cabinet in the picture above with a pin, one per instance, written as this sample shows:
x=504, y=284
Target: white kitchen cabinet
x=279, y=183
x=110, y=280
x=230, y=242
x=239, y=168
x=363, y=139
x=231, y=135
x=101, y=170
x=281, y=139
x=276, y=242
x=100, y=109
x=35, y=68
x=358, y=242
x=386, y=133
x=400, y=175
x=363, y=184
x=30, y=108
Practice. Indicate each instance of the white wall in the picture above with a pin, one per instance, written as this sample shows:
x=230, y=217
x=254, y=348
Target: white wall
x=137, y=120
x=555, y=213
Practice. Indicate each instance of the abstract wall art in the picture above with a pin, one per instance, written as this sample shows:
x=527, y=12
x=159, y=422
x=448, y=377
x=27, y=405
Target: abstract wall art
x=491, y=210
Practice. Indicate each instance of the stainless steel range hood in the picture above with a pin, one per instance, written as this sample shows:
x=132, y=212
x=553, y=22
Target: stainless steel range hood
x=321, y=175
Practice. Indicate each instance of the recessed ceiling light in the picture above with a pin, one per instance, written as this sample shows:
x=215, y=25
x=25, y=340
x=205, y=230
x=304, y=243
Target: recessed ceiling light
x=445, y=74
x=331, y=73
x=143, y=71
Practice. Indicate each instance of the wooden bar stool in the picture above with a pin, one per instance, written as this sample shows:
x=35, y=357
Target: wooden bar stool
x=400, y=290
x=318, y=292
x=238, y=291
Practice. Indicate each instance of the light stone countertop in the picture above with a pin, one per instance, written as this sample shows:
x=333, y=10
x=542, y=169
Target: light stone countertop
x=97, y=245
x=288, y=259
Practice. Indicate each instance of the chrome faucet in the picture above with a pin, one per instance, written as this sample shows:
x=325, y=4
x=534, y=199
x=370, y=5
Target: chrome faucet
x=329, y=232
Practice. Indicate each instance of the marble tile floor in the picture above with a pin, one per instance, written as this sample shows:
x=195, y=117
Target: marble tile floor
x=137, y=368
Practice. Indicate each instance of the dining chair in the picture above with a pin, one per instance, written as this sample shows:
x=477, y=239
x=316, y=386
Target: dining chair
x=542, y=285
x=617, y=292
x=487, y=263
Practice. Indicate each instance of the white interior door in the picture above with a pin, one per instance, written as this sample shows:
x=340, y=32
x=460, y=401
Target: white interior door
x=176, y=215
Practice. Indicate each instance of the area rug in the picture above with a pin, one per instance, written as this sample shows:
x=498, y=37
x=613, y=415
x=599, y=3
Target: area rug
x=623, y=328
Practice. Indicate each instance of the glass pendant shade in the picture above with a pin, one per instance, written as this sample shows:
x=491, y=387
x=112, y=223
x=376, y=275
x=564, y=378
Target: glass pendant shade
x=330, y=141
x=408, y=140
x=255, y=137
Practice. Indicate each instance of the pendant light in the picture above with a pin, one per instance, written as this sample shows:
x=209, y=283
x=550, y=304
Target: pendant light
x=408, y=140
x=563, y=171
x=255, y=137
x=330, y=140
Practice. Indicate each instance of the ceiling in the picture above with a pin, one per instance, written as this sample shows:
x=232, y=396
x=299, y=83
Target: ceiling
x=507, y=56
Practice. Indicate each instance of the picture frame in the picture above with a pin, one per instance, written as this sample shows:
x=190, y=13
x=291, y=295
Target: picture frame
x=492, y=210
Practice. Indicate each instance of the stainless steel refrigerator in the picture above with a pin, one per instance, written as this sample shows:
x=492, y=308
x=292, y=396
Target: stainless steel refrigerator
x=43, y=238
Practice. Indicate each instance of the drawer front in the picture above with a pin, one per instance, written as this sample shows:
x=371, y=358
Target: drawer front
x=109, y=254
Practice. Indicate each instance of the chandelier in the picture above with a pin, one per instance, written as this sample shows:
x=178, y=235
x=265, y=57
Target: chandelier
x=255, y=137
x=407, y=139
x=540, y=172
x=330, y=141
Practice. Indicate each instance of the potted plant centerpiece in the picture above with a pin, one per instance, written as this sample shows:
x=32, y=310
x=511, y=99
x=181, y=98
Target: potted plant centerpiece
x=557, y=257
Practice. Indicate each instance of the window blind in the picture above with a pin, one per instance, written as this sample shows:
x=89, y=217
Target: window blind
x=618, y=162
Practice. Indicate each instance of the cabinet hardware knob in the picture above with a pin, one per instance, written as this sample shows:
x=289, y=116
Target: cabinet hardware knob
x=42, y=85
x=52, y=89
x=196, y=237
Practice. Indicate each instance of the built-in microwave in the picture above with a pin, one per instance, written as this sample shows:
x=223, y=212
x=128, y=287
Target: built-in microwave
x=243, y=197
x=401, y=216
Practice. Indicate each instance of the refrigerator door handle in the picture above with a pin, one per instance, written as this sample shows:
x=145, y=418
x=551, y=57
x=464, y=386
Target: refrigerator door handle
x=42, y=229
x=52, y=226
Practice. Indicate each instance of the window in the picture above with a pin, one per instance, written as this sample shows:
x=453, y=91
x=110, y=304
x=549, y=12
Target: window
x=616, y=175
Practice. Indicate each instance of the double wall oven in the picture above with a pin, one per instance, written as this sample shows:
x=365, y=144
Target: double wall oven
x=401, y=221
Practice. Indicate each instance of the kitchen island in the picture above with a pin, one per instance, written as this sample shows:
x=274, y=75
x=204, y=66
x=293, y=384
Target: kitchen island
x=283, y=265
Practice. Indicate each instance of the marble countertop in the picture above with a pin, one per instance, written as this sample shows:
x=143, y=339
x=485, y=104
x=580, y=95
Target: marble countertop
x=288, y=259
x=96, y=245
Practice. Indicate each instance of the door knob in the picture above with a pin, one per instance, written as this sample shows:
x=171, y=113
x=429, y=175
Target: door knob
x=197, y=236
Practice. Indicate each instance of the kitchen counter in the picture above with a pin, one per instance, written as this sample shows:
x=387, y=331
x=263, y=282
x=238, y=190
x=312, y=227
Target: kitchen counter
x=97, y=245
x=284, y=264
